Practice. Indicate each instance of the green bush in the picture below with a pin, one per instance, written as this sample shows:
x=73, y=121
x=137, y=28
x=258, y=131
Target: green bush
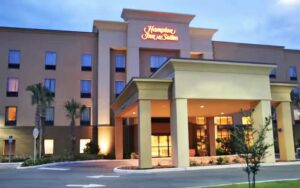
x=193, y=163
x=91, y=148
x=220, y=160
x=16, y=158
x=29, y=162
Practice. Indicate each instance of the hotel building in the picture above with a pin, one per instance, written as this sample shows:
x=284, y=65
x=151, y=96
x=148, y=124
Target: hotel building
x=146, y=80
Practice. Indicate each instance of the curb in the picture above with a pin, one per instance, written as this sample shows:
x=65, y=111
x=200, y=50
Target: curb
x=149, y=171
x=19, y=167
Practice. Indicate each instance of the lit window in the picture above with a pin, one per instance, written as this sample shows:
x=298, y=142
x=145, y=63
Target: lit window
x=11, y=115
x=120, y=63
x=49, y=119
x=82, y=144
x=296, y=114
x=161, y=146
x=50, y=85
x=49, y=146
x=273, y=73
x=86, y=88
x=200, y=120
x=119, y=86
x=50, y=61
x=224, y=120
x=156, y=62
x=12, y=87
x=85, y=116
x=293, y=73
x=14, y=58
x=246, y=120
x=86, y=62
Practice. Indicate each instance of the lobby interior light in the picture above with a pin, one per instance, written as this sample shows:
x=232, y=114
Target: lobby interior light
x=202, y=106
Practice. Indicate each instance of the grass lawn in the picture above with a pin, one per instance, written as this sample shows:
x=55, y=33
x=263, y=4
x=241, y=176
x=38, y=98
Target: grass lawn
x=284, y=184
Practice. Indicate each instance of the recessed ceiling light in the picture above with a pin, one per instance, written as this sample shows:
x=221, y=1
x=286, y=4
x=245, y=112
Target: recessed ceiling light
x=133, y=113
x=202, y=106
x=222, y=113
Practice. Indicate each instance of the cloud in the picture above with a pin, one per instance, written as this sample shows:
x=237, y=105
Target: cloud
x=289, y=2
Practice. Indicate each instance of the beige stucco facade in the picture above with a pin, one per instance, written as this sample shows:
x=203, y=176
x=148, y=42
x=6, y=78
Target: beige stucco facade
x=223, y=76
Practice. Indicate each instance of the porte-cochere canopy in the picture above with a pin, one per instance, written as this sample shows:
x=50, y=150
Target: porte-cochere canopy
x=184, y=88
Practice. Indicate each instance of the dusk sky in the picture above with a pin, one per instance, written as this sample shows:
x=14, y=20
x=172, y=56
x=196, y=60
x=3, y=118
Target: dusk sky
x=275, y=22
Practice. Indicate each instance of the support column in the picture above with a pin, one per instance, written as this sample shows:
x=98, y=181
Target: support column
x=119, y=138
x=261, y=112
x=285, y=133
x=144, y=134
x=211, y=131
x=179, y=133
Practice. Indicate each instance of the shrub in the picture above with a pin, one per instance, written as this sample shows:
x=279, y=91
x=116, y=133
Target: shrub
x=226, y=160
x=91, y=148
x=193, y=163
x=236, y=160
x=211, y=162
x=220, y=160
x=29, y=162
x=220, y=151
x=133, y=155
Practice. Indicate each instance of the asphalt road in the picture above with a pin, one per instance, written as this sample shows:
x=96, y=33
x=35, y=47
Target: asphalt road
x=100, y=174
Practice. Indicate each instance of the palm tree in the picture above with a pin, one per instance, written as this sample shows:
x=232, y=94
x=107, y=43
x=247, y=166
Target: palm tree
x=73, y=110
x=41, y=98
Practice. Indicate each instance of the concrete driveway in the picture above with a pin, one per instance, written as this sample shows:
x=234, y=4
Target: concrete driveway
x=99, y=174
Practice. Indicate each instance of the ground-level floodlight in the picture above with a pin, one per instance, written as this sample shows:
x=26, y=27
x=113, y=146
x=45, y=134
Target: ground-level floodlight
x=35, y=134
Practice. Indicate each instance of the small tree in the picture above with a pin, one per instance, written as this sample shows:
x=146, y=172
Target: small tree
x=41, y=98
x=73, y=110
x=252, y=151
x=91, y=148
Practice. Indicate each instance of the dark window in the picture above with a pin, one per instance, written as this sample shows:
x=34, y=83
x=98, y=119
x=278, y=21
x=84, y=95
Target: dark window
x=293, y=73
x=119, y=86
x=9, y=148
x=50, y=61
x=12, y=87
x=85, y=117
x=50, y=85
x=273, y=73
x=11, y=115
x=14, y=58
x=156, y=61
x=49, y=119
x=85, y=89
x=86, y=62
x=120, y=63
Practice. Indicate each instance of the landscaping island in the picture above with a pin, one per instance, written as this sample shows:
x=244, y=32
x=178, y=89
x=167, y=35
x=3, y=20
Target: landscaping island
x=280, y=184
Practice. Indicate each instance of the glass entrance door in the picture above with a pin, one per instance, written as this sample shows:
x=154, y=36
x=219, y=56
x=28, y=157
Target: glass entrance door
x=201, y=141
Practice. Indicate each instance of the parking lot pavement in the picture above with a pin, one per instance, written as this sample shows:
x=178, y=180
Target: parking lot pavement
x=99, y=174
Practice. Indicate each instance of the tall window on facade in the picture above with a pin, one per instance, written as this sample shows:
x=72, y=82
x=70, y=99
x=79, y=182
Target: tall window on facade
x=224, y=124
x=119, y=86
x=85, y=116
x=14, y=58
x=50, y=61
x=86, y=62
x=11, y=115
x=50, y=85
x=273, y=73
x=49, y=146
x=161, y=146
x=12, y=87
x=293, y=73
x=49, y=119
x=85, y=88
x=120, y=63
x=156, y=61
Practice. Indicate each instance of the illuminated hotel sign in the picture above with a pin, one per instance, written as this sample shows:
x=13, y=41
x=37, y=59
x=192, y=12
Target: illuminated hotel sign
x=152, y=32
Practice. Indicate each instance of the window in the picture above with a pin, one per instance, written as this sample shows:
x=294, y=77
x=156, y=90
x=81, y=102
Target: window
x=224, y=120
x=49, y=146
x=296, y=114
x=14, y=58
x=50, y=85
x=11, y=115
x=82, y=144
x=120, y=63
x=273, y=73
x=9, y=148
x=49, y=119
x=12, y=87
x=161, y=146
x=85, y=116
x=246, y=120
x=50, y=61
x=86, y=62
x=85, y=89
x=156, y=62
x=200, y=120
x=119, y=86
x=293, y=73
